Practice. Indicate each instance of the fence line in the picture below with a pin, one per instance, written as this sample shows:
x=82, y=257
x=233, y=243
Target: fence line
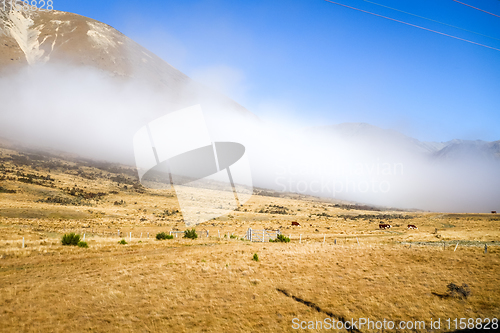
x=261, y=235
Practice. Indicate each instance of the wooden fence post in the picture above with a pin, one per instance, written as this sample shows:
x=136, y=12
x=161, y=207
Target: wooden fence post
x=456, y=247
x=118, y=233
x=485, y=248
x=357, y=240
x=300, y=239
x=335, y=241
x=83, y=237
x=130, y=237
x=23, y=242
x=324, y=238
x=148, y=234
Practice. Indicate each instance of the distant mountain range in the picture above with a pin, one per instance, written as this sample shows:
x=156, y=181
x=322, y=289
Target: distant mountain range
x=375, y=139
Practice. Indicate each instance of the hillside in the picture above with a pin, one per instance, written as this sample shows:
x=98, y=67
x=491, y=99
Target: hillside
x=55, y=37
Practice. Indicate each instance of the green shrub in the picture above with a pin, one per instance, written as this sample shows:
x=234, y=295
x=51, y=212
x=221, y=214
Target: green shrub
x=123, y=242
x=83, y=244
x=70, y=239
x=233, y=236
x=255, y=257
x=163, y=235
x=282, y=239
x=190, y=234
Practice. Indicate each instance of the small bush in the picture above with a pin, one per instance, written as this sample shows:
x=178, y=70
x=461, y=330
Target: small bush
x=70, y=239
x=163, y=235
x=255, y=257
x=282, y=239
x=123, y=242
x=233, y=236
x=83, y=244
x=190, y=234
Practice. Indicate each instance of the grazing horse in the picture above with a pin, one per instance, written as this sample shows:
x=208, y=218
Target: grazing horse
x=384, y=226
x=412, y=226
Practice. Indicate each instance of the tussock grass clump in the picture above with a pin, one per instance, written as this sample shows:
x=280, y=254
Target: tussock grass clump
x=190, y=234
x=255, y=257
x=70, y=239
x=123, y=242
x=163, y=235
x=83, y=244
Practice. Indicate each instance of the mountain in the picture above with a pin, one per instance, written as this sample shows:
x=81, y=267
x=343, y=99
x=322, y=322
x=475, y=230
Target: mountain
x=467, y=149
x=54, y=37
x=373, y=136
x=369, y=138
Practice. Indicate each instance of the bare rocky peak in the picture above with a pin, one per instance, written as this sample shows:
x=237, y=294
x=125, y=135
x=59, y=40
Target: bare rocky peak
x=30, y=38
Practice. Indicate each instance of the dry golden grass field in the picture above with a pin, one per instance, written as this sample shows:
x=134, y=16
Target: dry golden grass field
x=338, y=265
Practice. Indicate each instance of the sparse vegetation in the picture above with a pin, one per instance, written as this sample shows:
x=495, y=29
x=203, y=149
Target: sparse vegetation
x=4, y=190
x=123, y=242
x=255, y=257
x=83, y=244
x=275, y=209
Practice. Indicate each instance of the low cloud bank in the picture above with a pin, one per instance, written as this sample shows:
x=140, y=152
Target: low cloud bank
x=87, y=112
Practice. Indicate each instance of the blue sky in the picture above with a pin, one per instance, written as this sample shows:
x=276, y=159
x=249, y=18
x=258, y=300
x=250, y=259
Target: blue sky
x=317, y=63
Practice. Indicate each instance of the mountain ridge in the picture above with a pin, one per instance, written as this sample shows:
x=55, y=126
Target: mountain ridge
x=364, y=133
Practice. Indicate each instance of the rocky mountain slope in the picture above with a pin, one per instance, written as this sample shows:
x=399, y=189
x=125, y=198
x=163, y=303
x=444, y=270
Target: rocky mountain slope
x=53, y=37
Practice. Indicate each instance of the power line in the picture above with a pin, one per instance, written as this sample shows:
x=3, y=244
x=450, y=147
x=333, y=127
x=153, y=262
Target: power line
x=476, y=8
x=426, y=18
x=413, y=25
